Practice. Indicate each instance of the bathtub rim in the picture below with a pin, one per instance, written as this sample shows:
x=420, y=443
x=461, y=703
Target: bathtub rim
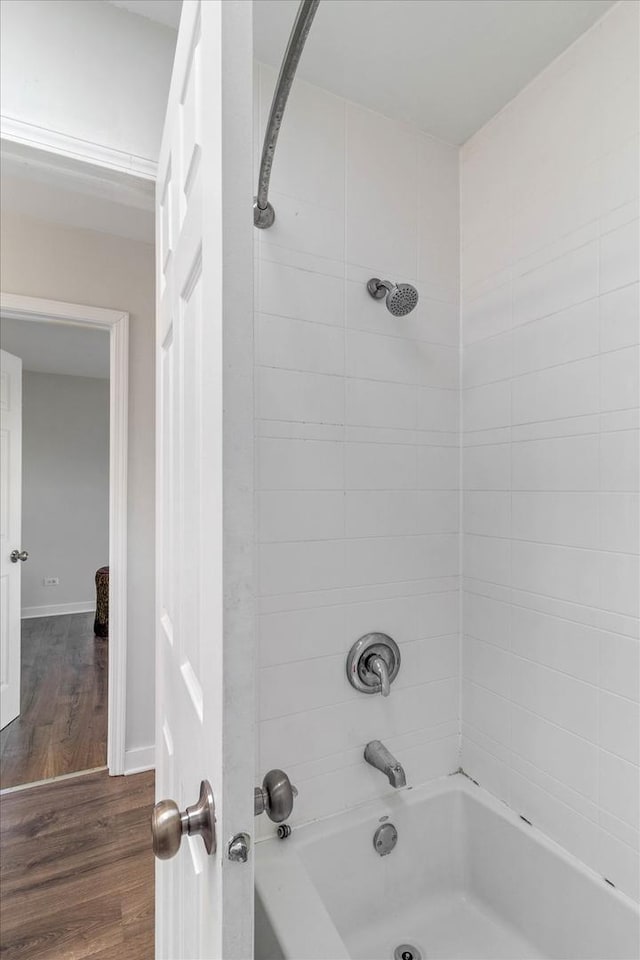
x=306, y=833
x=281, y=871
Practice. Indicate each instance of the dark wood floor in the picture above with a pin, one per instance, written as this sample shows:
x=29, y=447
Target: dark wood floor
x=77, y=870
x=62, y=727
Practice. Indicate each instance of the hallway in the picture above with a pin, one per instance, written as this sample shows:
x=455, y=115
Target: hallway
x=77, y=870
x=62, y=727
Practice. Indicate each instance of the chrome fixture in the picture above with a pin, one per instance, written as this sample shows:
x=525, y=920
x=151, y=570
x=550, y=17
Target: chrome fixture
x=168, y=824
x=275, y=796
x=407, y=951
x=401, y=297
x=379, y=757
x=263, y=212
x=385, y=839
x=373, y=663
x=238, y=848
x=16, y=555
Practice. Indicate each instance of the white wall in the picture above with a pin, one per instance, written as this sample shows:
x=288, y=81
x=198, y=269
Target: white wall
x=65, y=487
x=87, y=76
x=549, y=231
x=42, y=259
x=356, y=448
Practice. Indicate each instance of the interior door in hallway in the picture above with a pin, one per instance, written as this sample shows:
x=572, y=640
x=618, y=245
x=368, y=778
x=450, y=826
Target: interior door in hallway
x=205, y=680
x=10, y=533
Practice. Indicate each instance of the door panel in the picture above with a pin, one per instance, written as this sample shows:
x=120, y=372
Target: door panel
x=10, y=533
x=205, y=643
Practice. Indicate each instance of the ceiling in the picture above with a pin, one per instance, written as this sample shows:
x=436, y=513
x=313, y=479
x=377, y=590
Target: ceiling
x=162, y=11
x=57, y=348
x=446, y=66
x=48, y=186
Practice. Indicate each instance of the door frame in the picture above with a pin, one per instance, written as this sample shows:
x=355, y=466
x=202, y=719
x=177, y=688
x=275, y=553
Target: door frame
x=116, y=324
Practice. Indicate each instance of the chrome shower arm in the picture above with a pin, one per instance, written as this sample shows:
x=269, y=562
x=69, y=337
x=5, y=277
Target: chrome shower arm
x=263, y=212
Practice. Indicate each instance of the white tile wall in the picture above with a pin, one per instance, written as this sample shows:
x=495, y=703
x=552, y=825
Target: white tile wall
x=357, y=454
x=357, y=449
x=551, y=384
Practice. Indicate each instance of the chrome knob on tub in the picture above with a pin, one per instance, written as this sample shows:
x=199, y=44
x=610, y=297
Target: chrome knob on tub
x=275, y=796
x=373, y=663
x=16, y=555
x=169, y=824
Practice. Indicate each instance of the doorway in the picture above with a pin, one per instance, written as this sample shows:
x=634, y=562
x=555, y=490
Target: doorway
x=70, y=655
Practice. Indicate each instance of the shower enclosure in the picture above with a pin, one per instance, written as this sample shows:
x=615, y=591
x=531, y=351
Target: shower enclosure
x=457, y=472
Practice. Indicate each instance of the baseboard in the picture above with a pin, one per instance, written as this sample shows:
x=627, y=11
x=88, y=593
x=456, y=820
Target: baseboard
x=58, y=609
x=139, y=759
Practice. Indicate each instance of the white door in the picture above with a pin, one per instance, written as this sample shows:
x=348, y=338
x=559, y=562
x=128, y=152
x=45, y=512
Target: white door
x=205, y=645
x=10, y=532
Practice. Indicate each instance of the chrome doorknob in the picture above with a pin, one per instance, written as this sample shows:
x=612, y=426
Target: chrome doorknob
x=275, y=796
x=169, y=824
x=16, y=555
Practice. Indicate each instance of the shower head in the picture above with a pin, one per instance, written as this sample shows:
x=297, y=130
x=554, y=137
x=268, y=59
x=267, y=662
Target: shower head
x=401, y=297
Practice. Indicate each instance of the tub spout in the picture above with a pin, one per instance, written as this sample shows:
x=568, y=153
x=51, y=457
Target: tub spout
x=379, y=757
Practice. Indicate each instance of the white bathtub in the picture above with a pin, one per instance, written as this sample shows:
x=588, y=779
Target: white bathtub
x=467, y=879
